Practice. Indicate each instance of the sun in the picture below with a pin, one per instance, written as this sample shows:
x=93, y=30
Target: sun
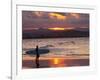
x=56, y=29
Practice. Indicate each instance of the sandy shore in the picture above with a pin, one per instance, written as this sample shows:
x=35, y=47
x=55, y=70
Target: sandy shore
x=46, y=62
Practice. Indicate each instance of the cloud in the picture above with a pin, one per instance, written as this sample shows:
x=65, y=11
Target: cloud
x=75, y=15
x=38, y=13
x=57, y=16
x=40, y=19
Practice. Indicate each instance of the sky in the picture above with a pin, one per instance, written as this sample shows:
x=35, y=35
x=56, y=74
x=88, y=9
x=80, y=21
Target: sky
x=40, y=19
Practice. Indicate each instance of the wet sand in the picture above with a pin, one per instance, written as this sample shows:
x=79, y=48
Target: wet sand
x=52, y=62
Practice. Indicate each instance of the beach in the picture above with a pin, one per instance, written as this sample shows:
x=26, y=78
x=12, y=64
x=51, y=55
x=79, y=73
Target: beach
x=51, y=62
x=55, y=52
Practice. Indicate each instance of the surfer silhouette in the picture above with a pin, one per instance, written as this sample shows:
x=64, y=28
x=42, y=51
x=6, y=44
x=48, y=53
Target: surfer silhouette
x=37, y=57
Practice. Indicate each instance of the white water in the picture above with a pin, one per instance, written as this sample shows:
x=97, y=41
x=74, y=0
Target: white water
x=59, y=46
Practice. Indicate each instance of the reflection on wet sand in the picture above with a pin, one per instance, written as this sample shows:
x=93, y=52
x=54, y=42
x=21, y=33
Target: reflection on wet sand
x=54, y=62
x=57, y=62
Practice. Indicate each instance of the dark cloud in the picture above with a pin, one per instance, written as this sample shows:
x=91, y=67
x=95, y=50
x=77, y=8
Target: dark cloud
x=37, y=19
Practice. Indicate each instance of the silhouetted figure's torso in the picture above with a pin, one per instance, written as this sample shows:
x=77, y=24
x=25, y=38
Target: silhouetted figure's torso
x=37, y=52
x=37, y=57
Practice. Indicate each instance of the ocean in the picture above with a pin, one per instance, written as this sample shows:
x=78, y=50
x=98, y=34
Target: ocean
x=58, y=46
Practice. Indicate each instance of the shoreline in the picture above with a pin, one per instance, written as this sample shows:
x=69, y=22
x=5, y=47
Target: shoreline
x=28, y=62
x=29, y=57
